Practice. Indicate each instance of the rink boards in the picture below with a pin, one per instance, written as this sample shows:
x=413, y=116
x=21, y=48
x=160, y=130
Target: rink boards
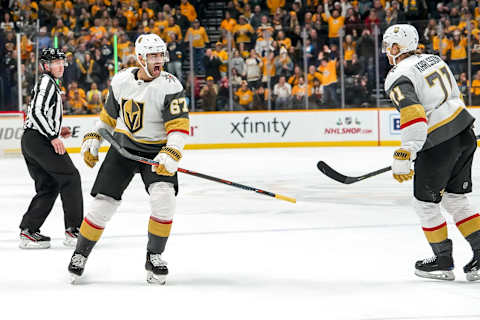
x=262, y=129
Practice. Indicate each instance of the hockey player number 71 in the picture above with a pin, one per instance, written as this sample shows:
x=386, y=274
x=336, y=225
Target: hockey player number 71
x=432, y=77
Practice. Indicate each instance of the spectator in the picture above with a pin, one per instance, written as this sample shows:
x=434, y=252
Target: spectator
x=238, y=63
x=475, y=90
x=463, y=84
x=44, y=40
x=365, y=50
x=244, y=96
x=172, y=28
x=212, y=64
x=328, y=69
x=7, y=24
x=372, y=20
x=335, y=21
x=312, y=75
x=458, y=54
x=283, y=63
x=297, y=73
x=243, y=32
x=359, y=95
x=71, y=73
x=76, y=104
x=300, y=92
x=352, y=67
x=199, y=38
x=268, y=70
x=317, y=93
x=235, y=79
x=223, y=57
x=282, y=92
x=175, y=52
x=256, y=19
x=264, y=42
x=273, y=5
x=253, y=69
x=188, y=10
x=209, y=93
x=73, y=88
x=181, y=20
x=348, y=48
x=94, y=103
x=228, y=24
x=260, y=99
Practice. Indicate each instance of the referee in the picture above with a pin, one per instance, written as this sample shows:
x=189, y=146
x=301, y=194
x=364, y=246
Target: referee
x=47, y=161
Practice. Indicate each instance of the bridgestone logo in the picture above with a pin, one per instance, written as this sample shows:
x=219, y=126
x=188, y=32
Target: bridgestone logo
x=9, y=133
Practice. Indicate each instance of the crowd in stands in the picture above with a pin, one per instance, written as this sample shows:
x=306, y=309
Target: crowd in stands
x=274, y=54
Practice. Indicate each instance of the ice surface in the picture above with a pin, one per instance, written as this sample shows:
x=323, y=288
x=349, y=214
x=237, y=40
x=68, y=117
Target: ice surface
x=341, y=252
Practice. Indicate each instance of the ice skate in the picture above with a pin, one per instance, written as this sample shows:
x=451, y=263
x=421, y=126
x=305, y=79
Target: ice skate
x=436, y=267
x=157, y=270
x=76, y=267
x=33, y=240
x=472, y=269
x=71, y=235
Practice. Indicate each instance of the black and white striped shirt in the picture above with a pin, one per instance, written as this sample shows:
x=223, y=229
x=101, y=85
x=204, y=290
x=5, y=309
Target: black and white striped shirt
x=45, y=111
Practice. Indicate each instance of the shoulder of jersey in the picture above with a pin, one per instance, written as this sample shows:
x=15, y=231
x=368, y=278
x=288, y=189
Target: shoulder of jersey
x=168, y=83
x=123, y=75
x=402, y=69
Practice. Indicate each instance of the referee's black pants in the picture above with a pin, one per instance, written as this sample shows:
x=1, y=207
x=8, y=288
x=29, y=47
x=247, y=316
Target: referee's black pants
x=53, y=174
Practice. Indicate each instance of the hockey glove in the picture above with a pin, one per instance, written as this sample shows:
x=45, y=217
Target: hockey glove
x=401, y=166
x=168, y=159
x=90, y=146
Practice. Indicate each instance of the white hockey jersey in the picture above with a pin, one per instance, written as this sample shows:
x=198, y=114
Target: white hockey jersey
x=144, y=113
x=424, y=91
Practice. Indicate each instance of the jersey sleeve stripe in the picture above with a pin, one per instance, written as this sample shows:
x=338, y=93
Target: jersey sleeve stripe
x=414, y=112
x=409, y=123
x=178, y=124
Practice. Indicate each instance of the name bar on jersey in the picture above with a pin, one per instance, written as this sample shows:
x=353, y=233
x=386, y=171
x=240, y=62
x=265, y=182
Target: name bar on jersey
x=426, y=63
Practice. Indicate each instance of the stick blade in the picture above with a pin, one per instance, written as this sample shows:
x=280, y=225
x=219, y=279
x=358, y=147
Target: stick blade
x=332, y=174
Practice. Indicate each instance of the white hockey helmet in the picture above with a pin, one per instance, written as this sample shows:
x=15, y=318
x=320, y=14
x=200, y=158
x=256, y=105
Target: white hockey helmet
x=405, y=35
x=150, y=43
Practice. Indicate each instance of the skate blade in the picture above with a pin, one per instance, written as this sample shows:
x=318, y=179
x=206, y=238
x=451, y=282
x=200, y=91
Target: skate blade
x=156, y=279
x=27, y=244
x=473, y=276
x=74, y=279
x=437, y=275
x=71, y=243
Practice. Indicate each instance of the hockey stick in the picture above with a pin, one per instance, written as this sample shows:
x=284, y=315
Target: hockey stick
x=107, y=136
x=335, y=175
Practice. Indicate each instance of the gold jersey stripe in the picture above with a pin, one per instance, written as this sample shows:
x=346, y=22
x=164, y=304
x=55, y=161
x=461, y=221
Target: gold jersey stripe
x=412, y=112
x=469, y=225
x=90, y=231
x=159, y=228
x=181, y=124
x=437, y=234
x=105, y=117
x=444, y=122
x=130, y=135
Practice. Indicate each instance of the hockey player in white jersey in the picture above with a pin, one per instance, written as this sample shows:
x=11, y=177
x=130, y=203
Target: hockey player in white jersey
x=147, y=112
x=436, y=133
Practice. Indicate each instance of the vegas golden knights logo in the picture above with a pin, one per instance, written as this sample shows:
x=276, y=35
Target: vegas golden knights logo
x=133, y=114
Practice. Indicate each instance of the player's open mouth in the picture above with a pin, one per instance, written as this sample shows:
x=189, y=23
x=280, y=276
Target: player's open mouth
x=156, y=68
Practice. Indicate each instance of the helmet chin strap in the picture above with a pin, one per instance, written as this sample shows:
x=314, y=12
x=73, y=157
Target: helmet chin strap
x=394, y=57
